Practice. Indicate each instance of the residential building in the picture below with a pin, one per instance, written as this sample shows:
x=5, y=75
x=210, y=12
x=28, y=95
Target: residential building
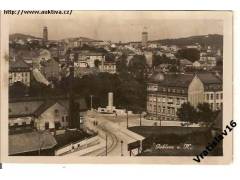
x=40, y=113
x=109, y=67
x=167, y=92
x=19, y=71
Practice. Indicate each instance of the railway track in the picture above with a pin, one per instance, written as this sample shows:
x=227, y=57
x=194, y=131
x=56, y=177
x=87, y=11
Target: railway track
x=112, y=138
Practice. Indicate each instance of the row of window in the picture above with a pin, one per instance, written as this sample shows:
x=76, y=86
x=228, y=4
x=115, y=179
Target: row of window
x=168, y=100
x=210, y=96
x=23, y=74
x=162, y=109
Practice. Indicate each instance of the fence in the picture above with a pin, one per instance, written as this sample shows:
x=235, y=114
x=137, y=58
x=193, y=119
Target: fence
x=77, y=146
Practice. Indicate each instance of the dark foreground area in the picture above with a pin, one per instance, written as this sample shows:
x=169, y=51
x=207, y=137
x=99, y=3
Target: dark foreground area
x=175, y=141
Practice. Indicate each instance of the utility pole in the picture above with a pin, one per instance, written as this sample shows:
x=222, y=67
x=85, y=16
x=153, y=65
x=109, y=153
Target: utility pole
x=121, y=147
x=127, y=117
x=140, y=119
x=71, y=95
x=106, y=144
x=156, y=108
x=91, y=96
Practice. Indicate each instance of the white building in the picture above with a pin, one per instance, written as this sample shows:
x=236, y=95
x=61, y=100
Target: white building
x=19, y=71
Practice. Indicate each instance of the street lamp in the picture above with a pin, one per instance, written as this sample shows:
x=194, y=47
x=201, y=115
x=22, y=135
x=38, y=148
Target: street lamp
x=91, y=96
x=121, y=147
x=106, y=144
x=127, y=117
x=140, y=123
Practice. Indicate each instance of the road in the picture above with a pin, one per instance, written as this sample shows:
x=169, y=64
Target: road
x=118, y=137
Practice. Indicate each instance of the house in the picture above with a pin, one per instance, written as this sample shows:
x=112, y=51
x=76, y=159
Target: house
x=40, y=113
x=19, y=71
x=109, y=67
x=184, y=63
x=196, y=64
x=167, y=92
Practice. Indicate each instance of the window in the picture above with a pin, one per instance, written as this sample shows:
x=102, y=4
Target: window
x=221, y=95
x=62, y=118
x=46, y=125
x=163, y=100
x=163, y=110
x=207, y=96
x=217, y=96
x=10, y=110
x=211, y=96
x=178, y=101
x=26, y=108
x=56, y=111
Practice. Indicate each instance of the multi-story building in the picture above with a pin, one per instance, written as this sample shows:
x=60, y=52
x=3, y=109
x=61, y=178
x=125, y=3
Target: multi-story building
x=109, y=67
x=19, y=71
x=167, y=92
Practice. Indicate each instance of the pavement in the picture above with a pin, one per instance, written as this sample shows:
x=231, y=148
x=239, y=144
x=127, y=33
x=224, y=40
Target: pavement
x=113, y=132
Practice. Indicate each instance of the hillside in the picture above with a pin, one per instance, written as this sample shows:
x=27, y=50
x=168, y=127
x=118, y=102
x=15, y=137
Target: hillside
x=21, y=36
x=214, y=40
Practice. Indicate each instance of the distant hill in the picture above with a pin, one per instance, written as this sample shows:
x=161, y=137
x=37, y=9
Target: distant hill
x=22, y=36
x=80, y=39
x=214, y=40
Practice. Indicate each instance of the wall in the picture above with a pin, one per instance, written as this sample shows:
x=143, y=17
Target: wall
x=51, y=117
x=196, y=92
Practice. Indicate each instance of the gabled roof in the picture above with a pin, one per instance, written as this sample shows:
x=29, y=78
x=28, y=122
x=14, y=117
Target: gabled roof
x=29, y=142
x=174, y=80
x=44, y=107
x=209, y=78
x=18, y=64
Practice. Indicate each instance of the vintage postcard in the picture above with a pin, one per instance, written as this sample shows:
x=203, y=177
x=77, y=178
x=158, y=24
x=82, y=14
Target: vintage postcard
x=117, y=87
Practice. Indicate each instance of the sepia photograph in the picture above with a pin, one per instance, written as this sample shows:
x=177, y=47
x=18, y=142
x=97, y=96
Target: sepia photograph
x=117, y=84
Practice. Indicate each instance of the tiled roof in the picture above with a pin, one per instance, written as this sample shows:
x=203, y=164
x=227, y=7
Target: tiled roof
x=34, y=107
x=18, y=64
x=175, y=80
x=29, y=142
x=209, y=78
x=23, y=108
x=44, y=107
x=183, y=80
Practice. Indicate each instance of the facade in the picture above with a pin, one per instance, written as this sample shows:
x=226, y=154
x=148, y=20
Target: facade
x=19, y=71
x=39, y=113
x=167, y=92
x=149, y=58
x=88, y=58
x=109, y=67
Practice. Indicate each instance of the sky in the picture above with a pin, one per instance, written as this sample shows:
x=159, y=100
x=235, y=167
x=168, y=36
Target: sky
x=117, y=25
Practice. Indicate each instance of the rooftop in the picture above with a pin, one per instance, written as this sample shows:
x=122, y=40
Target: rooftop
x=28, y=142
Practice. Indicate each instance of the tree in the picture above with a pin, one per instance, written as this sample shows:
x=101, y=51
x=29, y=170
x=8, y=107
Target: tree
x=187, y=113
x=137, y=67
x=192, y=54
x=205, y=113
x=18, y=89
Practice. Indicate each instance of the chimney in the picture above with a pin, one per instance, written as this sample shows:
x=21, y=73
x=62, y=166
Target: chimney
x=110, y=99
